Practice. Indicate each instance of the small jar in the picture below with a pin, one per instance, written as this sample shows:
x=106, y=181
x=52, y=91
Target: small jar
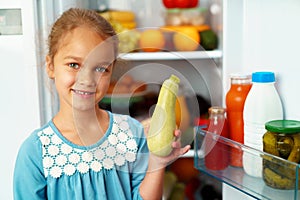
x=282, y=139
x=216, y=152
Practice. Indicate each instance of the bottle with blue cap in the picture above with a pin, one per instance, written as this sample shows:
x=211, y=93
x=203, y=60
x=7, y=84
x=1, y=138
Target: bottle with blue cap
x=262, y=104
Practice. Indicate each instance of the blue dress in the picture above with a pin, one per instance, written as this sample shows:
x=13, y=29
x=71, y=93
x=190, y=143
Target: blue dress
x=48, y=166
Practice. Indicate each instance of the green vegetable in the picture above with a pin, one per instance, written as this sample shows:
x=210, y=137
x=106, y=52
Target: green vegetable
x=295, y=155
x=208, y=40
x=163, y=123
x=285, y=146
x=170, y=180
x=270, y=141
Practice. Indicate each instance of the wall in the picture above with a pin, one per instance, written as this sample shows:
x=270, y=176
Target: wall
x=272, y=43
x=19, y=94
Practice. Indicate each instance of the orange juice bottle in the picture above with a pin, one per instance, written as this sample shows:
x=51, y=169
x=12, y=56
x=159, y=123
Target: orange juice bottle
x=235, y=99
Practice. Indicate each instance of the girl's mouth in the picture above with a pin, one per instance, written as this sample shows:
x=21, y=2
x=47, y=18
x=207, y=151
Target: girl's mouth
x=83, y=93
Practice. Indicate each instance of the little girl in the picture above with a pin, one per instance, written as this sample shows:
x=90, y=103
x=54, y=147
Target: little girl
x=85, y=152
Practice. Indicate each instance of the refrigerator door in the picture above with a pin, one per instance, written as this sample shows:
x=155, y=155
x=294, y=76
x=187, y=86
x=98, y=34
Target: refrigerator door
x=46, y=13
x=19, y=104
x=263, y=36
x=26, y=101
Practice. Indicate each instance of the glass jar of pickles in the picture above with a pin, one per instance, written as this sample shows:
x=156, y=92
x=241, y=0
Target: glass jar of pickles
x=282, y=139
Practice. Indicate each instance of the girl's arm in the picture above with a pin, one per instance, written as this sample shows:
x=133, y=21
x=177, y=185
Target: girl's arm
x=152, y=186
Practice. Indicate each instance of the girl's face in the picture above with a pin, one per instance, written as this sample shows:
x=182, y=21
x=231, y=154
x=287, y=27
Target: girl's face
x=81, y=69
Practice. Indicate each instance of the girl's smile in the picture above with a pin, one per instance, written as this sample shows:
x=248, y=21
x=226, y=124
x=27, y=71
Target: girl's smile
x=83, y=94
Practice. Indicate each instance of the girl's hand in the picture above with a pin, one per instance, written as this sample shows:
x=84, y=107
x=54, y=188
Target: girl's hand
x=158, y=162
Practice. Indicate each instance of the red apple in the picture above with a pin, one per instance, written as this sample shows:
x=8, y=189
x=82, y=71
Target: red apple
x=169, y=3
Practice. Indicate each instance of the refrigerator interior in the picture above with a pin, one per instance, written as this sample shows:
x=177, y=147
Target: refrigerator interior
x=255, y=35
x=202, y=76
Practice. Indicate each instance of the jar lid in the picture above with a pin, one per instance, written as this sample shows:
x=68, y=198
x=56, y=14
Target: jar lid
x=216, y=110
x=263, y=77
x=283, y=126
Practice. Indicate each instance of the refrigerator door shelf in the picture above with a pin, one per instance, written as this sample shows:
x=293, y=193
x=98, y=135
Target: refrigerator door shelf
x=237, y=178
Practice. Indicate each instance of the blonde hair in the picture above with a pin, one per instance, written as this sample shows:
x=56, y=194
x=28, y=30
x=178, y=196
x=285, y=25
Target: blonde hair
x=74, y=18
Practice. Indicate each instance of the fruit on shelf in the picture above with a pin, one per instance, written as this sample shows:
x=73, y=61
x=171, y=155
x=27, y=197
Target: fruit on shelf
x=182, y=114
x=129, y=41
x=125, y=18
x=170, y=180
x=193, y=3
x=180, y=3
x=209, y=39
x=178, y=192
x=199, y=28
x=151, y=40
x=184, y=169
x=124, y=24
x=122, y=16
x=187, y=39
x=169, y=3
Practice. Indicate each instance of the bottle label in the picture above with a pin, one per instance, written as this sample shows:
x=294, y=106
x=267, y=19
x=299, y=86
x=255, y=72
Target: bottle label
x=255, y=129
x=253, y=133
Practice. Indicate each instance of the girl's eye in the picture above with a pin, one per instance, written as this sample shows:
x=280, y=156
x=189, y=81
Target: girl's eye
x=101, y=69
x=74, y=65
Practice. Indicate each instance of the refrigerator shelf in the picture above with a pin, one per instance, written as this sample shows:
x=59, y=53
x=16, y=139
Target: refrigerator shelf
x=236, y=177
x=189, y=154
x=175, y=55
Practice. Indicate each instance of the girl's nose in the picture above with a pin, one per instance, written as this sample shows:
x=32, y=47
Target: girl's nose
x=87, y=77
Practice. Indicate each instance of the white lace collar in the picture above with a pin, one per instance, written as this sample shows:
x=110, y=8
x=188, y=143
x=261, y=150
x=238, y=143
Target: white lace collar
x=61, y=158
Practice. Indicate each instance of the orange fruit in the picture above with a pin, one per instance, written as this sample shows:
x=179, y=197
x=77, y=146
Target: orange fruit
x=152, y=40
x=184, y=169
x=186, y=39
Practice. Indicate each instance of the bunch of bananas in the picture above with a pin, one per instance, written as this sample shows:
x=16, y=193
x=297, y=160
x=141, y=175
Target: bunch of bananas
x=124, y=24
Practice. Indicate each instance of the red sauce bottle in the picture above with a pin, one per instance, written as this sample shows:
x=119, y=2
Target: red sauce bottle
x=216, y=151
x=235, y=99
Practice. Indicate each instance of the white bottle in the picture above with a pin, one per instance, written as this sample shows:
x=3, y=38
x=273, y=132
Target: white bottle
x=262, y=104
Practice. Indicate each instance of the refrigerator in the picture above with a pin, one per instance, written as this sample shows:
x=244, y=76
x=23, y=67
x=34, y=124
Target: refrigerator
x=254, y=35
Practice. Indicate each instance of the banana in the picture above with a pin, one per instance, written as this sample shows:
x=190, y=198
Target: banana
x=122, y=16
x=128, y=25
x=118, y=15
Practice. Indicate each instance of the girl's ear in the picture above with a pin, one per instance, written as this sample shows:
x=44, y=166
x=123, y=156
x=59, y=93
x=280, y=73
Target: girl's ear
x=49, y=67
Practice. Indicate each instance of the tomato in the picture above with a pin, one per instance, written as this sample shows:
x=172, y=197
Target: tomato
x=182, y=3
x=193, y=3
x=169, y=3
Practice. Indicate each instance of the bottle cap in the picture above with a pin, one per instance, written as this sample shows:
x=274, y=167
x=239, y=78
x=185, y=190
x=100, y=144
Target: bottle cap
x=263, y=77
x=283, y=126
x=240, y=78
